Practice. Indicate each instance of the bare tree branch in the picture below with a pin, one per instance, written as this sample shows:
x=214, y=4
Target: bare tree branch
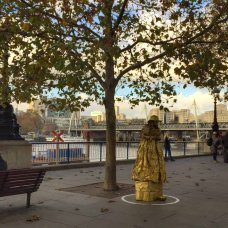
x=119, y=19
x=147, y=42
x=93, y=71
x=150, y=60
x=68, y=20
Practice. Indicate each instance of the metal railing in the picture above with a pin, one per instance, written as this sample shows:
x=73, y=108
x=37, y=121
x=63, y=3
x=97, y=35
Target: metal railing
x=163, y=127
x=56, y=153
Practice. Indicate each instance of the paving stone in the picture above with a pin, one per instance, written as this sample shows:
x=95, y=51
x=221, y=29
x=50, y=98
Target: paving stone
x=201, y=205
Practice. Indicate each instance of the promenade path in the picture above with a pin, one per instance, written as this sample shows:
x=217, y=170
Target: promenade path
x=200, y=185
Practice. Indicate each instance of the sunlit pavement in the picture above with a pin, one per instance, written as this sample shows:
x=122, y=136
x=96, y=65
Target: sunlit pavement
x=197, y=191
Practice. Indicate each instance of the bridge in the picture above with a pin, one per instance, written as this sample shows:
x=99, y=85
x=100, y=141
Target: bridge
x=128, y=131
x=223, y=126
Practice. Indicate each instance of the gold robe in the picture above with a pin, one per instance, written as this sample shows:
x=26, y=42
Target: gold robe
x=149, y=164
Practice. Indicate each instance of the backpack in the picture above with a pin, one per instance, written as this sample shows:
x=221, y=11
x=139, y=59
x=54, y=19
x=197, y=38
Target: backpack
x=209, y=141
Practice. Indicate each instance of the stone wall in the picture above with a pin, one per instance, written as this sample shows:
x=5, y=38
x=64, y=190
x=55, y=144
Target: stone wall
x=17, y=153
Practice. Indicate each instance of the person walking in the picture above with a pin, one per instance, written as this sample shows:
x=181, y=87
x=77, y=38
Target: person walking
x=216, y=141
x=167, y=147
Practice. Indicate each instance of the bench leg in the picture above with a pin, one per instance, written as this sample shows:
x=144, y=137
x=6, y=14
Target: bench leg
x=28, y=200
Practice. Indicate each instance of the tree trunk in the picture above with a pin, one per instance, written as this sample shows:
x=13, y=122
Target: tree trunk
x=110, y=165
x=5, y=96
x=109, y=102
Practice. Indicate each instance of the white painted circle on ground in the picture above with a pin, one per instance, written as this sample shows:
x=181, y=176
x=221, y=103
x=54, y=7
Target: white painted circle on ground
x=175, y=200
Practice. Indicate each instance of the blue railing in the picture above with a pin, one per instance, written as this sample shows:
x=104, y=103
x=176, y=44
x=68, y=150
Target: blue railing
x=69, y=152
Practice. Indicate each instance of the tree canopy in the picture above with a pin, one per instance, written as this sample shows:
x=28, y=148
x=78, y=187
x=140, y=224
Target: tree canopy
x=97, y=47
x=30, y=122
x=66, y=44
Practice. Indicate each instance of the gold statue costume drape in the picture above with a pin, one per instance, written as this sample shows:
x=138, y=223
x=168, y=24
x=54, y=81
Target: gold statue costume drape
x=149, y=169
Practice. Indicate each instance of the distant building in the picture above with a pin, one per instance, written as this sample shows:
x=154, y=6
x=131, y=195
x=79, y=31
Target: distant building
x=157, y=112
x=164, y=117
x=182, y=115
x=64, y=119
x=175, y=116
x=121, y=116
x=169, y=117
x=222, y=115
x=98, y=116
x=37, y=106
x=117, y=109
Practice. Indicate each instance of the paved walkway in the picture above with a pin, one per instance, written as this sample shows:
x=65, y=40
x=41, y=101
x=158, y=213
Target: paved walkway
x=200, y=184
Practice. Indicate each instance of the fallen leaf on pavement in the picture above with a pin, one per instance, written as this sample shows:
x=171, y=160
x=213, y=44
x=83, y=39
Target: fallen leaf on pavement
x=40, y=202
x=104, y=209
x=33, y=218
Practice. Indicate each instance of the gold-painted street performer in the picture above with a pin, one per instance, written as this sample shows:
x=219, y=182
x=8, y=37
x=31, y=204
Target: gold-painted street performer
x=149, y=169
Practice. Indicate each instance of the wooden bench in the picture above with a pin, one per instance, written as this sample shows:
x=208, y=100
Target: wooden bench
x=20, y=181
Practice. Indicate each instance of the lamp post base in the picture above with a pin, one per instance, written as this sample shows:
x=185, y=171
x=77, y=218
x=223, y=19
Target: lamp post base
x=215, y=127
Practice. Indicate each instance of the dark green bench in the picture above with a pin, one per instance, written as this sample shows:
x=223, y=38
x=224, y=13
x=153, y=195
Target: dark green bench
x=20, y=181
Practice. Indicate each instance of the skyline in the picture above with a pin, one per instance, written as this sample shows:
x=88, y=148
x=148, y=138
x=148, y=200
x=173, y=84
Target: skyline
x=204, y=102
x=185, y=99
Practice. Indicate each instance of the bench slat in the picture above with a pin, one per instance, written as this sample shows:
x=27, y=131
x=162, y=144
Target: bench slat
x=21, y=183
x=24, y=177
x=28, y=188
x=23, y=187
x=17, y=191
x=19, y=171
x=27, y=173
x=24, y=173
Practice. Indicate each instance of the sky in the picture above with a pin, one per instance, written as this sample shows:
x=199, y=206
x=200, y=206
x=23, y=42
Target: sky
x=185, y=99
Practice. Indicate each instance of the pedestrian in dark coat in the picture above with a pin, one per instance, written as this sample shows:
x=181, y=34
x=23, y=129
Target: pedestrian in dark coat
x=216, y=142
x=167, y=147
